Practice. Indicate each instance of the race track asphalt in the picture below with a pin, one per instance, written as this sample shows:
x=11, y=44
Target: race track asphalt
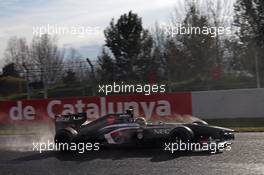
x=245, y=157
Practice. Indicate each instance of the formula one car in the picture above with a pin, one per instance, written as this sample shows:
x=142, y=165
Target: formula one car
x=124, y=129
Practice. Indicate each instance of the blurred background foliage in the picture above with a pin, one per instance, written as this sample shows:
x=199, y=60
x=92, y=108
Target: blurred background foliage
x=135, y=55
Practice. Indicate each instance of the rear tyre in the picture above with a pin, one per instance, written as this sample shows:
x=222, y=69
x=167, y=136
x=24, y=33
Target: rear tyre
x=63, y=139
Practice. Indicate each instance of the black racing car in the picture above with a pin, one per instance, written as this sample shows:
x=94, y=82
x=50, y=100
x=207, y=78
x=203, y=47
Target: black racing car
x=124, y=129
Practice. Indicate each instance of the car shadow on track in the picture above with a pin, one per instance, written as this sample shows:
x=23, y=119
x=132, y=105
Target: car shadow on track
x=155, y=155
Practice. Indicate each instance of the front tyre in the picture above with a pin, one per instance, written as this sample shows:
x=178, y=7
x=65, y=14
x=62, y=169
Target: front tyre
x=200, y=122
x=183, y=134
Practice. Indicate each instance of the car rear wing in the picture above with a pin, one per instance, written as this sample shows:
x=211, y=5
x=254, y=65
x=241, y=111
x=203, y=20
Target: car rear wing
x=70, y=120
